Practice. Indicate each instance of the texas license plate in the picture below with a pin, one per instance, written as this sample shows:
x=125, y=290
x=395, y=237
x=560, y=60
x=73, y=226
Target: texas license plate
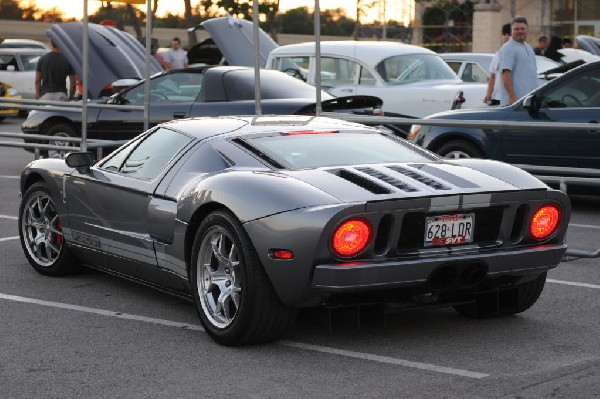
x=449, y=229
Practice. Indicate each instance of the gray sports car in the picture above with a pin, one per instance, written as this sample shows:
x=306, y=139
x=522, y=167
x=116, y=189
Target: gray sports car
x=255, y=217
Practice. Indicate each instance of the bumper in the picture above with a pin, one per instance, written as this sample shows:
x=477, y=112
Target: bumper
x=363, y=277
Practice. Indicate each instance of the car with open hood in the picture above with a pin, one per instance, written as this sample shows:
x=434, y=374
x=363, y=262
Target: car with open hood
x=113, y=54
x=252, y=218
x=192, y=92
x=412, y=81
x=230, y=42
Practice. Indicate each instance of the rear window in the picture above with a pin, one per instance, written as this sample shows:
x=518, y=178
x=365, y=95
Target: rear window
x=336, y=149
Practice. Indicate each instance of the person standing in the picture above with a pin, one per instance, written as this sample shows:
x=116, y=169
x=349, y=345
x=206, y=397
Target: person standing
x=494, y=87
x=542, y=45
x=175, y=57
x=51, y=75
x=518, y=64
x=552, y=50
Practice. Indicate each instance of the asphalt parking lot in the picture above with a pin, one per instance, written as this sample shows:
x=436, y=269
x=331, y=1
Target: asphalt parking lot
x=94, y=335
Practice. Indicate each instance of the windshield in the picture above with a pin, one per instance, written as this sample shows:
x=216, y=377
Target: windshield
x=315, y=150
x=409, y=68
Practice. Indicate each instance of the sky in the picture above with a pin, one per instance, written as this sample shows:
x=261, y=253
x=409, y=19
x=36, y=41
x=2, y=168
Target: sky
x=395, y=9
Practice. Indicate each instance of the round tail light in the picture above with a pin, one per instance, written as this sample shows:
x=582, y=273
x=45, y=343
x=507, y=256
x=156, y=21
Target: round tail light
x=545, y=222
x=351, y=237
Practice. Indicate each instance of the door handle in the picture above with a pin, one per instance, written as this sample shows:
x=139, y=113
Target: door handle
x=178, y=115
x=593, y=131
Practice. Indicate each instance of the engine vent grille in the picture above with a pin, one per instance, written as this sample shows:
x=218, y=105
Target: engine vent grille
x=388, y=179
x=361, y=181
x=418, y=177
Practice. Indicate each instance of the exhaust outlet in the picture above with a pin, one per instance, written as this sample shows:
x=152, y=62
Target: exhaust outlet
x=443, y=278
x=472, y=275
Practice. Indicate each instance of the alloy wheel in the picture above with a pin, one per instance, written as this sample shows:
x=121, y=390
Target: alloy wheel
x=219, y=277
x=42, y=230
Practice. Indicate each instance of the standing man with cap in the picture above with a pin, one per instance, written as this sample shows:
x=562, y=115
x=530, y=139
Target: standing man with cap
x=494, y=88
x=51, y=76
x=518, y=64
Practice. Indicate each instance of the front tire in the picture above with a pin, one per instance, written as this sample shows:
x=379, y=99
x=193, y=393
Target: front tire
x=457, y=149
x=235, y=300
x=40, y=231
x=61, y=130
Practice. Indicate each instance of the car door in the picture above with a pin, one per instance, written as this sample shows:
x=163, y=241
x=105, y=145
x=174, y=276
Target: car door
x=171, y=97
x=576, y=99
x=108, y=205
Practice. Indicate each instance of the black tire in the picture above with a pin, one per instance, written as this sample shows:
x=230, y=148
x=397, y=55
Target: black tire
x=527, y=293
x=224, y=265
x=41, y=235
x=61, y=130
x=2, y=118
x=459, y=149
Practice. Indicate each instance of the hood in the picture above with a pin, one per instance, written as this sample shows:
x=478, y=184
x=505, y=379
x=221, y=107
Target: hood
x=113, y=54
x=398, y=181
x=233, y=38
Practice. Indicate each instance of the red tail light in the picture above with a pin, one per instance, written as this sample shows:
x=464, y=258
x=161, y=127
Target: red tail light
x=545, y=222
x=351, y=237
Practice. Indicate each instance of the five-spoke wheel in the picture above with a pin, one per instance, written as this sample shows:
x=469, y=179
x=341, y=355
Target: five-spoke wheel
x=234, y=297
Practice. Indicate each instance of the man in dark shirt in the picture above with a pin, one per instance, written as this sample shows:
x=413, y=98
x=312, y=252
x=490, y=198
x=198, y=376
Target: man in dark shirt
x=51, y=76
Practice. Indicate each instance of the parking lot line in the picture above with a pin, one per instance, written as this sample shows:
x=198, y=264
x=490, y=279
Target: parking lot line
x=9, y=238
x=8, y=177
x=292, y=344
x=584, y=226
x=573, y=283
x=385, y=359
x=9, y=217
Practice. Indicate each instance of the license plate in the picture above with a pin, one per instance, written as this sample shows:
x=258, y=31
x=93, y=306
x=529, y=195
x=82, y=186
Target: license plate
x=449, y=229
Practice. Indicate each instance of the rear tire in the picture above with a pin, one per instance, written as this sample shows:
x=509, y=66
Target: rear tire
x=58, y=131
x=40, y=231
x=234, y=298
x=457, y=149
x=528, y=294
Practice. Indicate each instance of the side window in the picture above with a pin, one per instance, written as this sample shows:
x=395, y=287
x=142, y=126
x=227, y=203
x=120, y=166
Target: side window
x=30, y=61
x=8, y=60
x=337, y=72
x=580, y=91
x=150, y=157
x=366, y=78
x=171, y=88
x=455, y=66
x=293, y=66
x=474, y=73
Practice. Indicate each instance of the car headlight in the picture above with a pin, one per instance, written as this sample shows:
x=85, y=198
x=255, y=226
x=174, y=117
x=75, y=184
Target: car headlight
x=414, y=129
x=12, y=92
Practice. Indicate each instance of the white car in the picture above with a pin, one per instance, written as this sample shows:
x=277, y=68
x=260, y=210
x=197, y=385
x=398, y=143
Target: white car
x=474, y=67
x=411, y=80
x=17, y=68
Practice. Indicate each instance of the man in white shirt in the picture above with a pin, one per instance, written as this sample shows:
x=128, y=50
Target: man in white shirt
x=176, y=57
x=494, y=89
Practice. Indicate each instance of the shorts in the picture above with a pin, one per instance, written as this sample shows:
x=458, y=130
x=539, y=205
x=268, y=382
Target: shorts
x=55, y=96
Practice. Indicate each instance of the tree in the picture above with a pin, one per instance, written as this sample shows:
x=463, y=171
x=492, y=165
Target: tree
x=361, y=10
x=12, y=9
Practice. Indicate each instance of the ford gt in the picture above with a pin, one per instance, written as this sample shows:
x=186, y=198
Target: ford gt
x=253, y=218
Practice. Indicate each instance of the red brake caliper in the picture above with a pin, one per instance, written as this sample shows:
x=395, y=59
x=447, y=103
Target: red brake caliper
x=58, y=237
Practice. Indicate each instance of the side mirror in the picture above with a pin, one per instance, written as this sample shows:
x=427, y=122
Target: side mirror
x=531, y=103
x=80, y=161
